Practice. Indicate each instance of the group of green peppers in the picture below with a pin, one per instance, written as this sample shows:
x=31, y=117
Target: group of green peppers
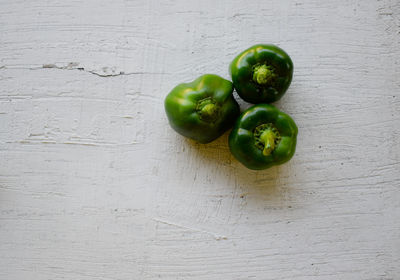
x=262, y=136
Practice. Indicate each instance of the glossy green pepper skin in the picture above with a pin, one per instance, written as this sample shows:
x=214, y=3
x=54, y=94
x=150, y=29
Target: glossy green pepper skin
x=203, y=109
x=262, y=137
x=262, y=73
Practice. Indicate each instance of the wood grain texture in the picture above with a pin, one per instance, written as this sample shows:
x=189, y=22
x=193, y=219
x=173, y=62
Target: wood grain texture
x=95, y=185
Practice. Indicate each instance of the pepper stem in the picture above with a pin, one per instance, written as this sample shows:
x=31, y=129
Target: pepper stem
x=263, y=74
x=268, y=138
x=207, y=109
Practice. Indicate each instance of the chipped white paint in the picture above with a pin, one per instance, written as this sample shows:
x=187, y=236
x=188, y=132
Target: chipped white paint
x=95, y=185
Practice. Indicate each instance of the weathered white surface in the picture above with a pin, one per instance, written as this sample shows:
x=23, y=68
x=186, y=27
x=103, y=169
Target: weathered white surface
x=95, y=185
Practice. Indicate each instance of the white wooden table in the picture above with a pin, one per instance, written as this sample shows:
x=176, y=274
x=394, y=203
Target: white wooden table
x=94, y=184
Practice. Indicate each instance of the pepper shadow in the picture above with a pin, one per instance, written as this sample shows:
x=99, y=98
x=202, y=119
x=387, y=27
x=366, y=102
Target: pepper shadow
x=254, y=185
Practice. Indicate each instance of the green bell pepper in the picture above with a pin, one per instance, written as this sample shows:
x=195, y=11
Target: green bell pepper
x=203, y=109
x=262, y=73
x=262, y=137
